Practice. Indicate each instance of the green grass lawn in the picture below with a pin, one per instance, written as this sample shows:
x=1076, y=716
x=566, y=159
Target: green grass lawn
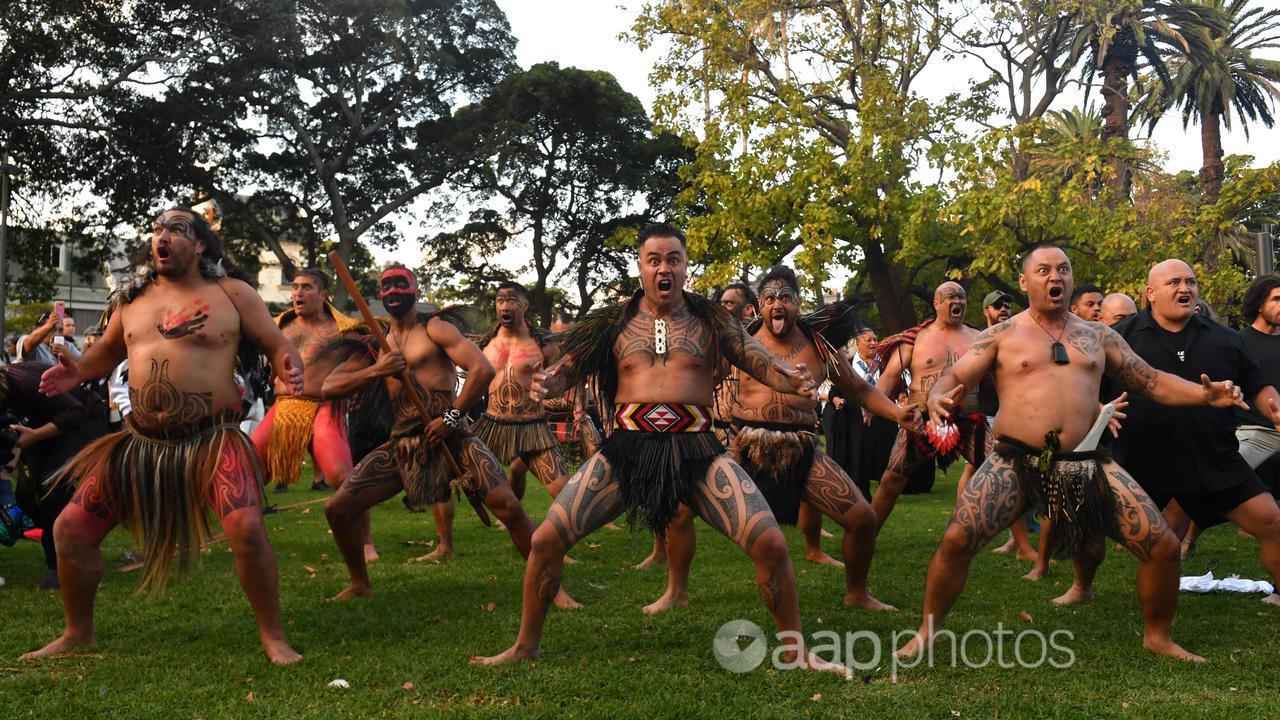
x=194, y=653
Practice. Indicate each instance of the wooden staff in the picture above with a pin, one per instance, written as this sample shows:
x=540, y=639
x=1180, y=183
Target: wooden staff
x=376, y=330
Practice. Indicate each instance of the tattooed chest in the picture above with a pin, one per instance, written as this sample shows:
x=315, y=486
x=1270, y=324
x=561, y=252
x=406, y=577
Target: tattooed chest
x=648, y=341
x=508, y=395
x=309, y=341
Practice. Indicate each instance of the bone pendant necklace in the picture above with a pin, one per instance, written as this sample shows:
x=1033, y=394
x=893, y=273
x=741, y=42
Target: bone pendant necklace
x=660, y=336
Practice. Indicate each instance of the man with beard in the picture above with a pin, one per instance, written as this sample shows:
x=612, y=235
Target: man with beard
x=1116, y=307
x=1048, y=366
x=775, y=442
x=513, y=425
x=1199, y=464
x=179, y=322
x=656, y=357
x=432, y=350
x=927, y=352
x=296, y=424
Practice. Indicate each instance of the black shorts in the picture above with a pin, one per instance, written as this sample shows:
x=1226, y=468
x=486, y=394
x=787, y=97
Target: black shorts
x=1210, y=508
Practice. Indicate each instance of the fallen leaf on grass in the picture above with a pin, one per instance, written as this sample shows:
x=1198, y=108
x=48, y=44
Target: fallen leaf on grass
x=407, y=685
x=593, y=545
x=490, y=606
x=310, y=570
x=249, y=697
x=339, y=683
x=816, y=697
x=305, y=511
x=1023, y=615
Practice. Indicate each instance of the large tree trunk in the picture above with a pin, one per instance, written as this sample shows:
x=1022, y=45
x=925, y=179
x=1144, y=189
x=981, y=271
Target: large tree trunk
x=1211, y=167
x=1116, y=69
x=892, y=298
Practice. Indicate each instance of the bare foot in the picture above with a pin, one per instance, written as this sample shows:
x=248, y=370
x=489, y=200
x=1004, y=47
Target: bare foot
x=867, y=602
x=564, y=602
x=279, y=652
x=913, y=647
x=1006, y=548
x=569, y=561
x=654, y=560
x=611, y=526
x=370, y=554
x=823, y=532
x=813, y=662
x=668, y=601
x=64, y=643
x=1272, y=599
x=510, y=655
x=439, y=553
x=1171, y=649
x=821, y=558
x=1035, y=574
x=353, y=591
x=1074, y=595
x=1241, y=532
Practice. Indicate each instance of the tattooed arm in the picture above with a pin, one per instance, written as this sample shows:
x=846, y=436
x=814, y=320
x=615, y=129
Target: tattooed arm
x=261, y=330
x=969, y=370
x=1133, y=373
x=868, y=396
x=753, y=358
x=360, y=370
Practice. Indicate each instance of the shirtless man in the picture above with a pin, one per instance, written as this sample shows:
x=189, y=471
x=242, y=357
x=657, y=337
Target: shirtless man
x=1048, y=366
x=937, y=345
x=179, y=322
x=656, y=356
x=774, y=440
x=413, y=459
x=302, y=423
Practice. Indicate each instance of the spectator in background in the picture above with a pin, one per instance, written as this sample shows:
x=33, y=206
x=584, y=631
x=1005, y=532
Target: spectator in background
x=1086, y=302
x=1116, y=307
x=68, y=336
x=34, y=346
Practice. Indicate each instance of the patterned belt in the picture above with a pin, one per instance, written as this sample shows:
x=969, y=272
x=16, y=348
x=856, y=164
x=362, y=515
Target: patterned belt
x=663, y=417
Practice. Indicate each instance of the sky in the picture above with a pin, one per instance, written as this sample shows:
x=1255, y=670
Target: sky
x=585, y=34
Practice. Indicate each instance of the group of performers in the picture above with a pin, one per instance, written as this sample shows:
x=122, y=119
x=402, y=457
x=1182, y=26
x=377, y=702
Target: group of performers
x=703, y=416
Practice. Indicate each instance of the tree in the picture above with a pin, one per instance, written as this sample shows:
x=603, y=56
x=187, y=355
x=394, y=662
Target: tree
x=565, y=153
x=1230, y=77
x=1117, y=33
x=815, y=132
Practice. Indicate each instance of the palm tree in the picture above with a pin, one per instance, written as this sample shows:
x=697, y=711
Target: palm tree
x=1229, y=78
x=1112, y=36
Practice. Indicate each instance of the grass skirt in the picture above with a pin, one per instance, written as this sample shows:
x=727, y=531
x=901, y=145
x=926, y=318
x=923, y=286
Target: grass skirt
x=658, y=471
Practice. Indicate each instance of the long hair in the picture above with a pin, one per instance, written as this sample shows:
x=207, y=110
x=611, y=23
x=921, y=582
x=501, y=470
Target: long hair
x=213, y=261
x=1257, y=294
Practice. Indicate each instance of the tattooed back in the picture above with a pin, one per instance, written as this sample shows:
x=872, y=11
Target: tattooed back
x=181, y=343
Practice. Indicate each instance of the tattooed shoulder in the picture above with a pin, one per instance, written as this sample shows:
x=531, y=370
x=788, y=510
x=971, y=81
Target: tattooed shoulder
x=988, y=338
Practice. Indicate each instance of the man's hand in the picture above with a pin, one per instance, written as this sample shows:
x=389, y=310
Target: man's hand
x=1120, y=404
x=802, y=381
x=291, y=377
x=837, y=402
x=390, y=362
x=26, y=436
x=908, y=417
x=60, y=378
x=1222, y=394
x=437, y=429
x=1275, y=412
x=940, y=405
x=539, y=389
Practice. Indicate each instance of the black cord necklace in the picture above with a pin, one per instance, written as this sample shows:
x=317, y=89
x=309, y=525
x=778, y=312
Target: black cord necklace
x=1059, y=351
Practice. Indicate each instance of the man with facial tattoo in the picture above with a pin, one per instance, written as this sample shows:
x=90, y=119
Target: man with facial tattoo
x=775, y=441
x=926, y=352
x=1048, y=365
x=432, y=350
x=655, y=358
x=180, y=322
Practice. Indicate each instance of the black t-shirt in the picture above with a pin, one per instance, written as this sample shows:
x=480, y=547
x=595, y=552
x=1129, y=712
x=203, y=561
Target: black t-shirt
x=1185, y=449
x=1265, y=350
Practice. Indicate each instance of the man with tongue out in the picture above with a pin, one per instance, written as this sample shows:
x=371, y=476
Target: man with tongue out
x=926, y=352
x=1048, y=365
x=775, y=439
x=655, y=359
x=432, y=349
